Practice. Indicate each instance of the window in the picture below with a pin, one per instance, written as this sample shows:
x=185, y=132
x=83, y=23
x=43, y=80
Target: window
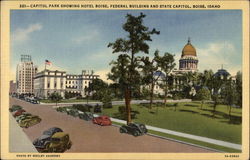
x=55, y=85
x=48, y=86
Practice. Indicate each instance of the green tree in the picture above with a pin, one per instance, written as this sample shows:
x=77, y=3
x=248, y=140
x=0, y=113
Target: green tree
x=167, y=64
x=149, y=70
x=55, y=97
x=97, y=87
x=216, y=84
x=239, y=88
x=203, y=94
x=136, y=42
x=229, y=95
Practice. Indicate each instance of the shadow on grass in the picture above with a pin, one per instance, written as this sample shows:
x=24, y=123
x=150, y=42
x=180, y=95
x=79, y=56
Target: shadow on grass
x=211, y=116
x=184, y=110
x=191, y=105
x=231, y=120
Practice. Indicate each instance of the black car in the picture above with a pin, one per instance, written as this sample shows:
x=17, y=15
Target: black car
x=87, y=116
x=136, y=129
x=42, y=143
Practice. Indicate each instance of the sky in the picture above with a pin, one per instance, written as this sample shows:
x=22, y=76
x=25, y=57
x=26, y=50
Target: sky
x=76, y=40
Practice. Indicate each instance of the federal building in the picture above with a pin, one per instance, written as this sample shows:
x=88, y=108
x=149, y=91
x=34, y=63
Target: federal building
x=42, y=84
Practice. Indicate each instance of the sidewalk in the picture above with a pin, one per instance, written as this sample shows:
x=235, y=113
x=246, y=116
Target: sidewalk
x=199, y=138
x=18, y=140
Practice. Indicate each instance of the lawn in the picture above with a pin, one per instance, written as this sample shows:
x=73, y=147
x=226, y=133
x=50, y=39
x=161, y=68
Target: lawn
x=190, y=118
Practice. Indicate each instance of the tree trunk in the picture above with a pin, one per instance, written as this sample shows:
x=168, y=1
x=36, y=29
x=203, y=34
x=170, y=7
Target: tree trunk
x=127, y=102
x=165, y=98
x=151, y=95
x=230, y=108
x=214, y=109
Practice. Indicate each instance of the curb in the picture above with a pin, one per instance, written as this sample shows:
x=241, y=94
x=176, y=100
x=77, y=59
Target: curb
x=178, y=141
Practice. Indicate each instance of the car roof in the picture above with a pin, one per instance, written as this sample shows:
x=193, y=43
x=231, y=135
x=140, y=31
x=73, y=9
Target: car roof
x=59, y=135
x=54, y=128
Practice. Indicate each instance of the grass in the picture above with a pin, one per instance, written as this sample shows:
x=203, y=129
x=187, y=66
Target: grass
x=204, y=144
x=190, y=118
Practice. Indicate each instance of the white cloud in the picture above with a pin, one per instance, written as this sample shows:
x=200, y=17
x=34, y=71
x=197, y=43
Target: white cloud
x=22, y=34
x=90, y=36
x=217, y=54
x=103, y=75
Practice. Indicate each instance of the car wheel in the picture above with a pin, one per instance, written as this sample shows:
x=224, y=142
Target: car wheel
x=135, y=133
x=47, y=148
x=121, y=130
x=27, y=125
x=69, y=145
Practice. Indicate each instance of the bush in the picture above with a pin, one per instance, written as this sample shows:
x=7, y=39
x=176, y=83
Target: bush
x=107, y=101
x=122, y=112
x=83, y=108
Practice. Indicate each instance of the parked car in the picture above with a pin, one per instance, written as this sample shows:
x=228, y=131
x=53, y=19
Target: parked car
x=29, y=121
x=73, y=112
x=23, y=116
x=136, y=129
x=86, y=116
x=97, y=108
x=35, y=101
x=42, y=143
x=15, y=108
x=102, y=120
x=60, y=142
x=61, y=109
x=52, y=131
x=18, y=112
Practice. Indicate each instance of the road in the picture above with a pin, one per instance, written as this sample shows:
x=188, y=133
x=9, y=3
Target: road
x=88, y=137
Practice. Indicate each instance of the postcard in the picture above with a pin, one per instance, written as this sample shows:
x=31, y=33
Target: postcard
x=125, y=80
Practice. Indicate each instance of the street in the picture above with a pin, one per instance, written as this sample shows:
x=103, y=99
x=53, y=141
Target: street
x=88, y=137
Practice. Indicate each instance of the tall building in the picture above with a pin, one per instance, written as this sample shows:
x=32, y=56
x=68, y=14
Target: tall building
x=188, y=60
x=47, y=82
x=25, y=73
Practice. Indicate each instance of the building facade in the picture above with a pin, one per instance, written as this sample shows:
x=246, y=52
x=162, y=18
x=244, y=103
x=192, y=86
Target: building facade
x=25, y=74
x=188, y=60
x=78, y=84
x=47, y=82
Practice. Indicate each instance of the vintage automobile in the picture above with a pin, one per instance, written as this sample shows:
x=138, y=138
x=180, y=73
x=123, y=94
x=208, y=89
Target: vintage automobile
x=60, y=142
x=52, y=130
x=29, y=121
x=86, y=116
x=22, y=116
x=18, y=112
x=55, y=141
x=15, y=108
x=136, y=129
x=35, y=101
x=73, y=112
x=102, y=120
x=61, y=109
x=43, y=142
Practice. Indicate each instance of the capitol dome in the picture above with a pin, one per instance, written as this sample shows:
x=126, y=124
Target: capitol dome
x=188, y=50
x=189, y=59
